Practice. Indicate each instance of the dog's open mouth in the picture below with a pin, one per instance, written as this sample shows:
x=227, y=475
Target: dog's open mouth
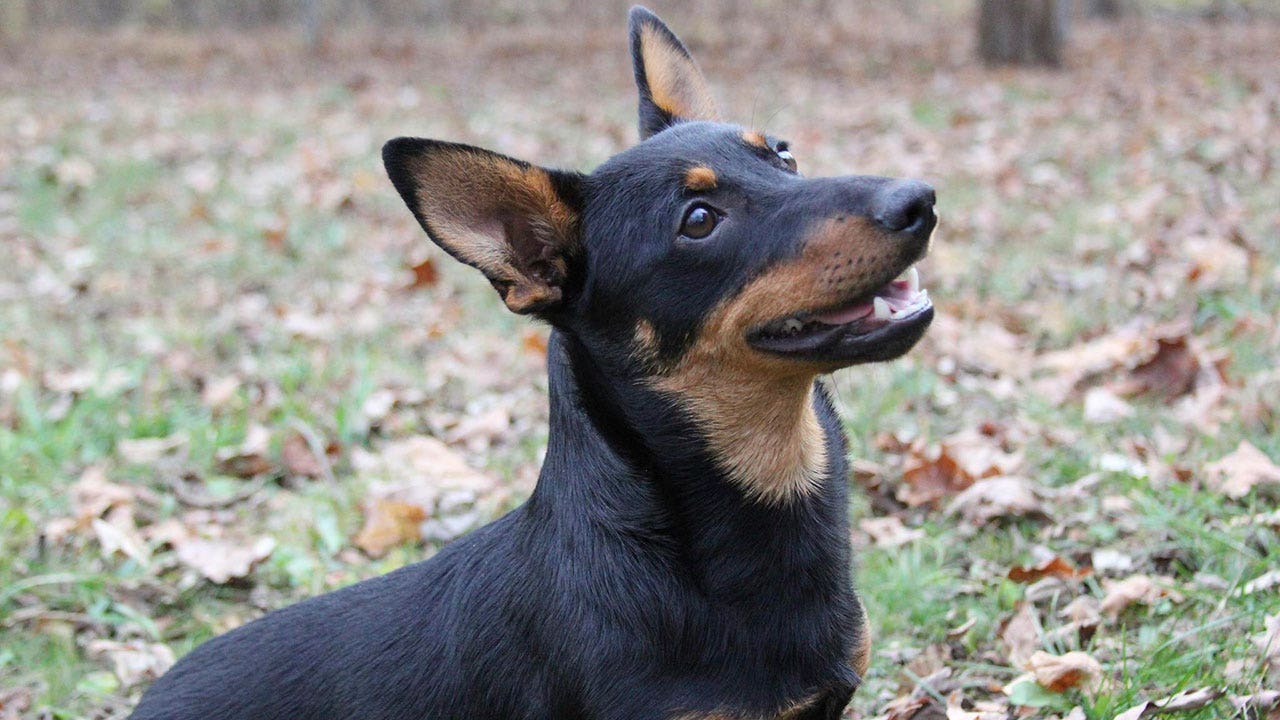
x=877, y=326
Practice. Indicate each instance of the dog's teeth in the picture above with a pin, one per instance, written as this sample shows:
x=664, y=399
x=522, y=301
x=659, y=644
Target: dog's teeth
x=882, y=311
x=913, y=280
x=793, y=326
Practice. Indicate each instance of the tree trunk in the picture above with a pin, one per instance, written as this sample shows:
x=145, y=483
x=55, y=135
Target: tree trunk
x=1108, y=9
x=1022, y=31
x=14, y=19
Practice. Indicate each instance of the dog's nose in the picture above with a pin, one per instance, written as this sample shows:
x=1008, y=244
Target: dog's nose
x=905, y=206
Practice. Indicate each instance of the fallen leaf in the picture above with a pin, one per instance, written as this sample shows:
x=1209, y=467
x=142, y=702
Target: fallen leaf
x=1237, y=474
x=1268, y=642
x=117, y=532
x=146, y=451
x=911, y=707
x=1059, y=673
x=889, y=532
x=1134, y=589
x=218, y=392
x=1169, y=373
x=1020, y=634
x=388, y=523
x=1107, y=560
x=952, y=466
x=14, y=702
x=958, y=708
x=534, y=341
x=1182, y=702
x=425, y=274
x=250, y=458
x=298, y=459
x=1257, y=704
x=221, y=560
x=1084, y=611
x=134, y=662
x=997, y=497
x=1102, y=406
x=1269, y=580
x=1055, y=566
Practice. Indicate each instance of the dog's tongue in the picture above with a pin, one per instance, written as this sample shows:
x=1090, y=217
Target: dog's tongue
x=845, y=315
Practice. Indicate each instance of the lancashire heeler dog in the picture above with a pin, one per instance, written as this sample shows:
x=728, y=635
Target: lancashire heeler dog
x=686, y=551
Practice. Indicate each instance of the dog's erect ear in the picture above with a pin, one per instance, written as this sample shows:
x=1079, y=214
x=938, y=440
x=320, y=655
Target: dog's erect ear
x=671, y=86
x=515, y=222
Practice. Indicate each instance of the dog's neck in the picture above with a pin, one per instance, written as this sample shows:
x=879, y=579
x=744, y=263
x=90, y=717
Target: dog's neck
x=632, y=461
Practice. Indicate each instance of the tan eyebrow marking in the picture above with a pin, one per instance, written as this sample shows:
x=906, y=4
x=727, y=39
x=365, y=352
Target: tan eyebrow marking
x=755, y=137
x=700, y=177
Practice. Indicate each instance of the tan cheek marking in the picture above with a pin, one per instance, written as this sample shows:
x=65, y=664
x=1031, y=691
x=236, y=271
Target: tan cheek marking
x=700, y=178
x=675, y=84
x=646, y=344
x=753, y=137
x=755, y=410
x=862, y=653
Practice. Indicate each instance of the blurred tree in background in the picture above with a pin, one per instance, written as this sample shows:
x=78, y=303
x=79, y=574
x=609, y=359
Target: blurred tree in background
x=20, y=16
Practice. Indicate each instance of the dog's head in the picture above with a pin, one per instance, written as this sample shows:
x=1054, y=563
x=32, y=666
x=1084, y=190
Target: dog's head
x=703, y=243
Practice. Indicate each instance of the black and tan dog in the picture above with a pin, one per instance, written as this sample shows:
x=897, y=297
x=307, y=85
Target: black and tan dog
x=686, y=551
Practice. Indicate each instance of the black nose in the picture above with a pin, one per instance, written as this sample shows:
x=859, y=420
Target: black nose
x=905, y=206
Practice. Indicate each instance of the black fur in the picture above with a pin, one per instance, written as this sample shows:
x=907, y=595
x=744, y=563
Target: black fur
x=637, y=581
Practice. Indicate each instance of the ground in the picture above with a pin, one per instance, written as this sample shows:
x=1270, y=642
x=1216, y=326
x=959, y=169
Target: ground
x=229, y=358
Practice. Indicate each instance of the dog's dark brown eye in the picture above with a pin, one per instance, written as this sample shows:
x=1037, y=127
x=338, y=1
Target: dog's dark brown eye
x=698, y=222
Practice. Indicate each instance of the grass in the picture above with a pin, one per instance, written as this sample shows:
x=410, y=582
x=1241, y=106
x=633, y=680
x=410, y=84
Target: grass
x=247, y=234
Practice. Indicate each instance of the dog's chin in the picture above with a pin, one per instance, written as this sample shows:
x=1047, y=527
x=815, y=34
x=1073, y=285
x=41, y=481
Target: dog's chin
x=832, y=347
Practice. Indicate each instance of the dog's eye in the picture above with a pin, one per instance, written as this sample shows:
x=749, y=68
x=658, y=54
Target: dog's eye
x=698, y=222
x=784, y=153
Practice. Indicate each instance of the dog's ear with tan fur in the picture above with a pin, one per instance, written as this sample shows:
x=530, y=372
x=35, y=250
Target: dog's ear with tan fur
x=517, y=223
x=671, y=86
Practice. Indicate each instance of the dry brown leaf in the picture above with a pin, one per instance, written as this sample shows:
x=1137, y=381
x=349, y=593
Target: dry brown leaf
x=218, y=392
x=298, y=459
x=425, y=274
x=250, y=459
x=1056, y=566
x=926, y=480
x=221, y=560
x=911, y=707
x=1268, y=642
x=14, y=702
x=1256, y=705
x=1269, y=580
x=1182, y=702
x=388, y=523
x=92, y=495
x=146, y=451
x=117, y=532
x=1102, y=406
x=958, y=708
x=1169, y=373
x=929, y=475
x=1134, y=589
x=1084, y=611
x=889, y=532
x=418, y=469
x=134, y=662
x=1237, y=474
x=1020, y=634
x=997, y=497
x=1059, y=673
x=534, y=341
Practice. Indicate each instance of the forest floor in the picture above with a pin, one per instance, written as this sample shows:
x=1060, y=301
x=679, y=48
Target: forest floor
x=234, y=374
